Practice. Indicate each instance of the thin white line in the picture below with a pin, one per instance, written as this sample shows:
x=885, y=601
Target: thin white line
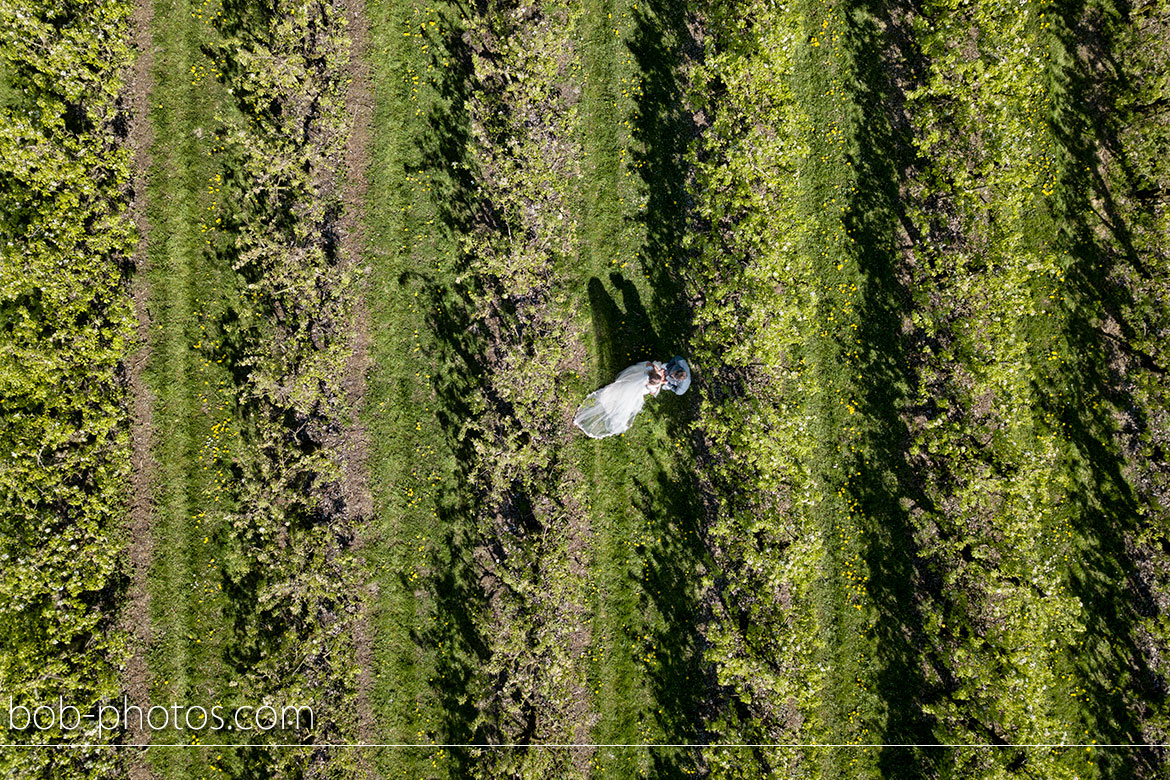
x=589, y=745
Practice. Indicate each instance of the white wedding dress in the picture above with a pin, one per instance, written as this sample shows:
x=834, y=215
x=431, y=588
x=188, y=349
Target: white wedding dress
x=612, y=409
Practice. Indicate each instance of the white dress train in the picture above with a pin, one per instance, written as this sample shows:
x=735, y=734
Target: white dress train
x=612, y=409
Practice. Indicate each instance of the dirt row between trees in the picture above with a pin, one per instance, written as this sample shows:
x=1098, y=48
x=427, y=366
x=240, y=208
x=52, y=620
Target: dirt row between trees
x=136, y=615
x=355, y=443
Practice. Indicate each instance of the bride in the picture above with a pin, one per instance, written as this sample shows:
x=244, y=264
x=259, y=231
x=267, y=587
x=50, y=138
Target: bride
x=611, y=409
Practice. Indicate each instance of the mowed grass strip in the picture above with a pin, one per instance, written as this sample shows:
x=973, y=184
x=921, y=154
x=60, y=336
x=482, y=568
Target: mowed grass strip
x=420, y=620
x=184, y=583
x=1103, y=693
x=869, y=611
x=644, y=677
x=848, y=716
x=618, y=698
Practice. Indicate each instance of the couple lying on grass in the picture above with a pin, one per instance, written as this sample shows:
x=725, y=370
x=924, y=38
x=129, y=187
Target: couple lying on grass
x=612, y=409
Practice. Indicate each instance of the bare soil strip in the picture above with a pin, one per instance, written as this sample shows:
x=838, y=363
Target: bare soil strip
x=355, y=447
x=136, y=616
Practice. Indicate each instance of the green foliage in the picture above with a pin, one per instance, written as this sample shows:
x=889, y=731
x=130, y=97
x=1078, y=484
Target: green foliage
x=756, y=308
x=66, y=324
x=1015, y=433
x=1021, y=504
x=526, y=158
x=1136, y=171
x=992, y=165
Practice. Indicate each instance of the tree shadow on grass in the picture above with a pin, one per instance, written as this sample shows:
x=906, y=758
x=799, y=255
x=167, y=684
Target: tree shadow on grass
x=672, y=554
x=660, y=43
x=628, y=328
x=1109, y=661
x=623, y=332
x=900, y=586
x=433, y=151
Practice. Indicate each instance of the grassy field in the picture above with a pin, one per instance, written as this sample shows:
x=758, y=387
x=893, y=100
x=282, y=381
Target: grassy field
x=849, y=199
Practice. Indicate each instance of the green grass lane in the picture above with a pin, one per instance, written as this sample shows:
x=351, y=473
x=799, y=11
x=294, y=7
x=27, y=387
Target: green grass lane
x=1090, y=507
x=850, y=713
x=192, y=434
x=421, y=613
x=646, y=670
x=869, y=610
